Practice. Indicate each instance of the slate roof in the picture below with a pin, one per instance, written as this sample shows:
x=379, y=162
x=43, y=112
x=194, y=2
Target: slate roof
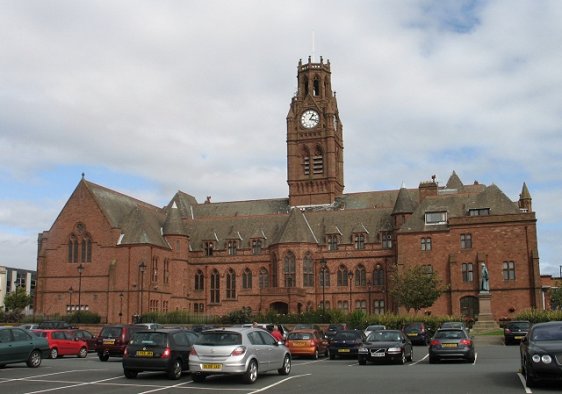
x=276, y=222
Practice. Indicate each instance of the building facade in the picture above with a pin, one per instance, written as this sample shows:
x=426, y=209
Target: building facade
x=13, y=278
x=319, y=247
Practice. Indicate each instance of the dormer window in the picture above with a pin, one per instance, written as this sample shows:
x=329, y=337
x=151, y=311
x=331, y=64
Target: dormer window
x=479, y=212
x=209, y=246
x=359, y=241
x=232, y=247
x=256, y=246
x=436, y=217
x=386, y=240
x=332, y=241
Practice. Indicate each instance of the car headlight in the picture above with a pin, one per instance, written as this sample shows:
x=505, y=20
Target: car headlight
x=546, y=359
x=394, y=350
x=536, y=358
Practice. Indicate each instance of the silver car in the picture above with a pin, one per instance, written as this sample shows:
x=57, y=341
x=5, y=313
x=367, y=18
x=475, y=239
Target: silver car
x=244, y=351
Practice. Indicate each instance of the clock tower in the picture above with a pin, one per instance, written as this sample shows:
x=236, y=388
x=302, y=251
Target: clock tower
x=314, y=139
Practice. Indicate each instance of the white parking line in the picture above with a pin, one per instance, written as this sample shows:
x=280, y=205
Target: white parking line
x=524, y=383
x=48, y=374
x=74, y=385
x=278, y=383
x=419, y=361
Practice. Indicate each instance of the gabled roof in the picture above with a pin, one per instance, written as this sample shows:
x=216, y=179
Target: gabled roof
x=296, y=229
x=455, y=182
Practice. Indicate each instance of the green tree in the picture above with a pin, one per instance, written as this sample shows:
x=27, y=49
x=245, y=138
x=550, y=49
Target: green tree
x=556, y=296
x=416, y=288
x=17, y=300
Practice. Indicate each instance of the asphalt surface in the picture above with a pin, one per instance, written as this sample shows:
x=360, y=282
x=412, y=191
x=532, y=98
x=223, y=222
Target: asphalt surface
x=494, y=371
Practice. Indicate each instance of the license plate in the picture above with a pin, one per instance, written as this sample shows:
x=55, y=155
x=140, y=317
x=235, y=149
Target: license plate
x=449, y=345
x=344, y=350
x=144, y=353
x=108, y=341
x=211, y=367
x=518, y=337
x=412, y=334
x=377, y=354
x=297, y=343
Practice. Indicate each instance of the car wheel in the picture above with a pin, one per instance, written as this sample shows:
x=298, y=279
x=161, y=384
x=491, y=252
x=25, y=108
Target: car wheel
x=402, y=359
x=198, y=377
x=103, y=356
x=251, y=374
x=34, y=359
x=471, y=358
x=362, y=360
x=130, y=374
x=316, y=355
x=332, y=356
x=529, y=380
x=54, y=353
x=286, y=368
x=175, y=371
x=411, y=355
x=83, y=352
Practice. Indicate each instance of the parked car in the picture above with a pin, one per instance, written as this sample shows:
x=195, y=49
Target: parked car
x=307, y=343
x=150, y=326
x=333, y=329
x=161, y=349
x=308, y=326
x=29, y=326
x=455, y=324
x=373, y=327
x=346, y=343
x=418, y=333
x=113, y=339
x=53, y=324
x=540, y=352
x=245, y=351
x=514, y=331
x=63, y=343
x=451, y=343
x=18, y=345
x=386, y=345
x=85, y=336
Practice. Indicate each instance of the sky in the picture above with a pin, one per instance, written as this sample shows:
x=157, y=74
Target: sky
x=151, y=97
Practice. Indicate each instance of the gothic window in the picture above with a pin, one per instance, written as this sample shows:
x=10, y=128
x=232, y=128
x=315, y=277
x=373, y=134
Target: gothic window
x=360, y=276
x=359, y=241
x=342, y=275
x=86, y=250
x=230, y=284
x=378, y=276
x=166, y=270
x=508, y=270
x=466, y=241
x=209, y=247
x=426, y=244
x=467, y=272
x=256, y=246
x=289, y=270
x=199, y=281
x=72, y=250
x=308, y=272
x=264, y=278
x=274, y=271
x=316, y=87
x=247, y=279
x=232, y=246
x=386, y=240
x=154, y=270
x=215, y=287
x=324, y=277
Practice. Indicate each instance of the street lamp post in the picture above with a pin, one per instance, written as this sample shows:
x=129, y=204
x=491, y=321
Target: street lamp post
x=142, y=268
x=70, y=291
x=350, y=278
x=323, y=269
x=121, y=307
x=80, y=271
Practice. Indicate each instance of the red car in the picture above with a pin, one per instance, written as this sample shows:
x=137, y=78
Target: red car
x=307, y=342
x=63, y=343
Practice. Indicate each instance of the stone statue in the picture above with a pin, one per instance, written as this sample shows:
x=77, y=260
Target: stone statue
x=484, y=280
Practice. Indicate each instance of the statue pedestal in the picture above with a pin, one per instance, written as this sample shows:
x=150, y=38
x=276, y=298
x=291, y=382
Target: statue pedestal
x=486, y=320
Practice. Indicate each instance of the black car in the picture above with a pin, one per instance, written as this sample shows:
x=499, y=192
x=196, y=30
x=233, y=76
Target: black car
x=346, y=343
x=514, y=331
x=541, y=353
x=162, y=349
x=333, y=329
x=418, y=333
x=451, y=343
x=113, y=339
x=386, y=345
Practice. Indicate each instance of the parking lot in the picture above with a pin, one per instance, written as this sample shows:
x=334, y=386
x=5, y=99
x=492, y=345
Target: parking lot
x=494, y=371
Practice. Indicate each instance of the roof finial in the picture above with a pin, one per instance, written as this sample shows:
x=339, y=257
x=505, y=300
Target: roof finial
x=83, y=175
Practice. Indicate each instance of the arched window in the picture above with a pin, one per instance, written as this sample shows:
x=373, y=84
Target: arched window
x=72, y=249
x=274, y=271
x=307, y=272
x=247, y=279
x=264, y=278
x=342, y=275
x=215, y=287
x=199, y=281
x=360, y=276
x=324, y=276
x=289, y=270
x=316, y=87
x=378, y=276
x=86, y=250
x=230, y=284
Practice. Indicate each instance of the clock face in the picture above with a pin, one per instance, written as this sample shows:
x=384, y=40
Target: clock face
x=310, y=119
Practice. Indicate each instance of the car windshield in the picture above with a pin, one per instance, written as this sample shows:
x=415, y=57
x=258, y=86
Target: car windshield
x=383, y=336
x=111, y=332
x=343, y=335
x=519, y=326
x=450, y=334
x=452, y=325
x=373, y=328
x=413, y=327
x=548, y=333
x=219, y=338
x=149, y=338
x=299, y=335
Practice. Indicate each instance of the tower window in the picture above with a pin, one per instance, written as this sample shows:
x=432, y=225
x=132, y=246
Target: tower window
x=307, y=165
x=318, y=164
x=316, y=87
